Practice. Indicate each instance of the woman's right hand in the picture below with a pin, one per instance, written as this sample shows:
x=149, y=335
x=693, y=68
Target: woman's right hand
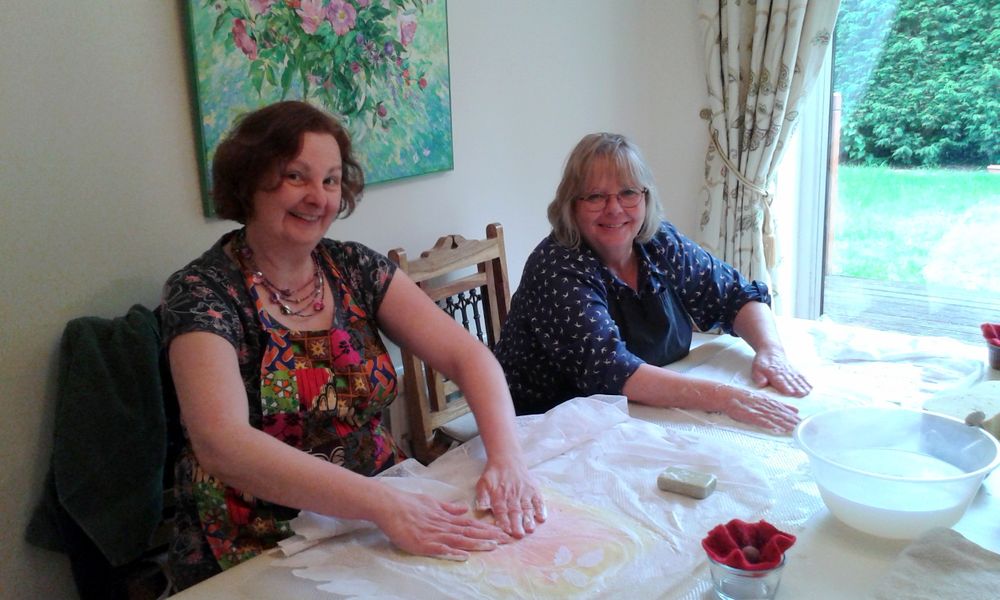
x=757, y=409
x=422, y=525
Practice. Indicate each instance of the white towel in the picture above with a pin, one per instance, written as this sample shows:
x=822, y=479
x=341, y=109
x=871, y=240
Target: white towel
x=940, y=565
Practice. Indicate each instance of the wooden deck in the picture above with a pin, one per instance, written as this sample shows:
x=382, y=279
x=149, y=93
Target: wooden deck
x=910, y=308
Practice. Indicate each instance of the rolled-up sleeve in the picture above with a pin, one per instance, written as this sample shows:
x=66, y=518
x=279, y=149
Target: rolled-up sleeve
x=711, y=290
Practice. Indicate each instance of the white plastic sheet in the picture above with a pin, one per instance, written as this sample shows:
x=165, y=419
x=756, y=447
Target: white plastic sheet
x=610, y=529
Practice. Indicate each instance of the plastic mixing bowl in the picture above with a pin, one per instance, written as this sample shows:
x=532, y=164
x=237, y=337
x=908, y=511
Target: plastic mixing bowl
x=894, y=472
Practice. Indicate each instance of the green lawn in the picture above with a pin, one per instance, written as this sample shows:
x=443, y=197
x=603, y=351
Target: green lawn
x=918, y=226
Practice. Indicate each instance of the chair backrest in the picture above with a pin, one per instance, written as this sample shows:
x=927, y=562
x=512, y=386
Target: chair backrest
x=468, y=280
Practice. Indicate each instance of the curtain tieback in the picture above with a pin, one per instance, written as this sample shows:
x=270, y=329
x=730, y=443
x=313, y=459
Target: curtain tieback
x=764, y=194
x=767, y=229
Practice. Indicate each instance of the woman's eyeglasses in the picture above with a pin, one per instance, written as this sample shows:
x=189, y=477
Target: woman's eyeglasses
x=627, y=198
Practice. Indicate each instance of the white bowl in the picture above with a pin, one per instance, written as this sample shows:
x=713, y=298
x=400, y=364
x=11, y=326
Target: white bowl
x=894, y=472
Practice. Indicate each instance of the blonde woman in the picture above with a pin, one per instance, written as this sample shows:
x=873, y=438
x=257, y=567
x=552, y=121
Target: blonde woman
x=609, y=297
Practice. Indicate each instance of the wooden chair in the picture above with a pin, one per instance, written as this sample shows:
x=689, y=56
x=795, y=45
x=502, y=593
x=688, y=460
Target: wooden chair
x=468, y=280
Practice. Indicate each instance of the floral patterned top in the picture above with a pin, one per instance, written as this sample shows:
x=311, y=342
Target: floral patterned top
x=320, y=391
x=575, y=329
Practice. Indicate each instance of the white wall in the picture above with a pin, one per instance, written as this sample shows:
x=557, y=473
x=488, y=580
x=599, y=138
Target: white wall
x=100, y=197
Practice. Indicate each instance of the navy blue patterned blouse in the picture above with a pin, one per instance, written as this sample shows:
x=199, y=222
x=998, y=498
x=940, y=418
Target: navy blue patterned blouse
x=576, y=329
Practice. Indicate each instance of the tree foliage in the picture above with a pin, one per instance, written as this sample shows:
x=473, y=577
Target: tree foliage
x=920, y=82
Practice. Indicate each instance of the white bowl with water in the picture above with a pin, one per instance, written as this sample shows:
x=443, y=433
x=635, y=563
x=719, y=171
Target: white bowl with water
x=894, y=472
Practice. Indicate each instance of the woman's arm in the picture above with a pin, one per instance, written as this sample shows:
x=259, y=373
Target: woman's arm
x=656, y=386
x=713, y=293
x=412, y=320
x=214, y=410
x=660, y=387
x=755, y=324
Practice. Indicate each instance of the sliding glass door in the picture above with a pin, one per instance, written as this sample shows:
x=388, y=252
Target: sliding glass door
x=911, y=221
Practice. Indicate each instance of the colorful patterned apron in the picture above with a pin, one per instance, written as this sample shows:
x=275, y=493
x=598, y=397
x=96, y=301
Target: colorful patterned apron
x=322, y=392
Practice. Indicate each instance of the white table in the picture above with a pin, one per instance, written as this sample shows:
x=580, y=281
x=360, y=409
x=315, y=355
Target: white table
x=829, y=560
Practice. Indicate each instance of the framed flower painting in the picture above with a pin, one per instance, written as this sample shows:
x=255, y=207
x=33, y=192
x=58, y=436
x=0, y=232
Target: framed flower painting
x=381, y=66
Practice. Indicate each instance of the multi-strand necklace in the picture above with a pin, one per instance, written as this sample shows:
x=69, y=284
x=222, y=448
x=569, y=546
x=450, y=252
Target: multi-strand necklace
x=309, y=304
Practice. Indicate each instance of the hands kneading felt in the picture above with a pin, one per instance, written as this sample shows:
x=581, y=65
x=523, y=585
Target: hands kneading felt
x=422, y=525
x=510, y=492
x=758, y=409
x=771, y=367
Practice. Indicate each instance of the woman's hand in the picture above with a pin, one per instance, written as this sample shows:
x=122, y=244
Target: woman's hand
x=757, y=409
x=770, y=366
x=755, y=324
x=419, y=524
x=510, y=492
x=656, y=386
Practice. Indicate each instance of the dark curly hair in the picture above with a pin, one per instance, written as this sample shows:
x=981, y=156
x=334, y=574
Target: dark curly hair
x=259, y=146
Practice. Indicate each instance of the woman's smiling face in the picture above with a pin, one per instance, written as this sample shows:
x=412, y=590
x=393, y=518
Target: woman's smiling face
x=305, y=202
x=609, y=230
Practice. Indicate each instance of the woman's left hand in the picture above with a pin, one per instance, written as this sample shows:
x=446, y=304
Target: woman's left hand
x=508, y=490
x=771, y=366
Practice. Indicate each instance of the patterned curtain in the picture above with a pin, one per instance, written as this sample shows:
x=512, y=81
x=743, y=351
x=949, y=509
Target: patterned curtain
x=763, y=57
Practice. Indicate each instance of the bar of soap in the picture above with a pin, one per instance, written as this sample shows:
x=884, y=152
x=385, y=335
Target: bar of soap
x=688, y=482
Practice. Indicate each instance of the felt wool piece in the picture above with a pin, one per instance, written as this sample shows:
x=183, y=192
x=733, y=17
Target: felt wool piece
x=737, y=542
x=991, y=332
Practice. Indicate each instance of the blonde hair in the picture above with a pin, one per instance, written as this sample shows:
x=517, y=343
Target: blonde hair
x=625, y=160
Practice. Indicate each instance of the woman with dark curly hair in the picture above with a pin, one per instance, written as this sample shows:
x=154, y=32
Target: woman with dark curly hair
x=282, y=378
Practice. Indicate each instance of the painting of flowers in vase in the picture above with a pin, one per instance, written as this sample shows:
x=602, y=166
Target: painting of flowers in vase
x=380, y=66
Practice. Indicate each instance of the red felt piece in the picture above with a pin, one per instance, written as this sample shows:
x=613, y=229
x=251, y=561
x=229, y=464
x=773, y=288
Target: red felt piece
x=728, y=544
x=991, y=331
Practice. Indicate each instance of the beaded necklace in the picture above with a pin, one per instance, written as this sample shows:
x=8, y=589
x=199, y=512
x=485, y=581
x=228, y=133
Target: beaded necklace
x=283, y=297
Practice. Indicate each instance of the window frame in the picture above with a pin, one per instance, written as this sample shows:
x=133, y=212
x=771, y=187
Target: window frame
x=801, y=192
